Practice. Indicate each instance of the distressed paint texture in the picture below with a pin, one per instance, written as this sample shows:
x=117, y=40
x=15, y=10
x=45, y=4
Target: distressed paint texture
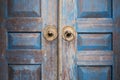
x=24, y=53
x=67, y=50
x=18, y=8
x=97, y=42
x=97, y=20
x=116, y=18
x=24, y=72
x=24, y=40
x=94, y=8
x=94, y=73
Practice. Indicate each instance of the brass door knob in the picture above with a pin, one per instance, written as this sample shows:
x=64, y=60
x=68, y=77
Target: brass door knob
x=69, y=33
x=50, y=33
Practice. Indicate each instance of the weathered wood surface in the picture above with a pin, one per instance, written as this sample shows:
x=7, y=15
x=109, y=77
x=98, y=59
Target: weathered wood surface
x=67, y=50
x=24, y=53
x=96, y=47
x=116, y=45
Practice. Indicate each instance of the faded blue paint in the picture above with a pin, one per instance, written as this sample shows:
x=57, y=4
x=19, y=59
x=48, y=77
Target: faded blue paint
x=24, y=41
x=94, y=41
x=94, y=8
x=24, y=72
x=24, y=8
x=94, y=73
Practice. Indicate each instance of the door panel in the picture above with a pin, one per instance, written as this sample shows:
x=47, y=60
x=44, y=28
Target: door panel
x=24, y=72
x=93, y=55
x=29, y=41
x=19, y=9
x=98, y=41
x=94, y=73
x=25, y=54
x=94, y=8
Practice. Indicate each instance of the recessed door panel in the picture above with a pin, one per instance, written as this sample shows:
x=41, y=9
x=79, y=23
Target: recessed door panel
x=94, y=73
x=24, y=8
x=91, y=41
x=24, y=41
x=94, y=8
x=24, y=72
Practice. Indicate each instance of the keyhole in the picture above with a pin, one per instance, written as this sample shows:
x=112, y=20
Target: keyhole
x=68, y=34
x=50, y=34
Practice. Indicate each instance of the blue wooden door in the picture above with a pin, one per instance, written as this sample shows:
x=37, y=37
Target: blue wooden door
x=94, y=53
x=24, y=53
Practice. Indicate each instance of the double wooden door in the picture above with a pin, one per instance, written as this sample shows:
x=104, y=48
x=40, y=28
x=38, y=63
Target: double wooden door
x=86, y=44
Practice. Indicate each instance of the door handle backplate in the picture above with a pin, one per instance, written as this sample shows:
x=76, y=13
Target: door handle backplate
x=68, y=33
x=50, y=33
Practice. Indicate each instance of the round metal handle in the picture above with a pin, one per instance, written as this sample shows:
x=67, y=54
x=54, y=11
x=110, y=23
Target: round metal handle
x=50, y=33
x=69, y=33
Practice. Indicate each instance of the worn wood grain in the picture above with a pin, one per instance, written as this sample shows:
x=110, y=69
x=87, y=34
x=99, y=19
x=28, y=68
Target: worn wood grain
x=24, y=53
x=3, y=60
x=116, y=18
x=89, y=17
x=49, y=66
x=67, y=50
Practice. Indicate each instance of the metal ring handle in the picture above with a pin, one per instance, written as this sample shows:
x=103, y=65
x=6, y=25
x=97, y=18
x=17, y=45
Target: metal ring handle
x=50, y=33
x=69, y=33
